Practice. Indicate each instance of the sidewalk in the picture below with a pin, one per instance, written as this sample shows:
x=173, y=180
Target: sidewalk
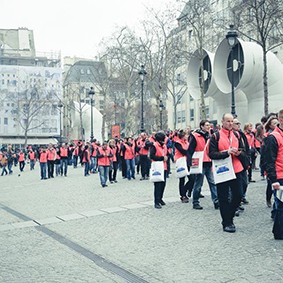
x=70, y=229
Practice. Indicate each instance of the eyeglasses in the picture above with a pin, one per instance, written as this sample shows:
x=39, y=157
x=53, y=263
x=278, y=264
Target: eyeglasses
x=237, y=123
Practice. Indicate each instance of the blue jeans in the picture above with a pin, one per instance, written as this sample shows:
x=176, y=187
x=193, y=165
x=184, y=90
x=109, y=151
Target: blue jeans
x=93, y=164
x=43, y=168
x=32, y=163
x=207, y=172
x=86, y=164
x=130, y=163
x=103, y=174
x=64, y=164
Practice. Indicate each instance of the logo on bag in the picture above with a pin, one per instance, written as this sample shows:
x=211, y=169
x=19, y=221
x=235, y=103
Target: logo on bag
x=180, y=169
x=222, y=169
x=156, y=173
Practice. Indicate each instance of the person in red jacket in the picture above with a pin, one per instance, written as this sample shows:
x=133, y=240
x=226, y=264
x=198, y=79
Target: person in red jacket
x=43, y=163
x=86, y=160
x=114, y=161
x=51, y=157
x=129, y=156
x=32, y=158
x=229, y=193
x=158, y=152
x=104, y=156
x=143, y=145
x=21, y=160
x=274, y=170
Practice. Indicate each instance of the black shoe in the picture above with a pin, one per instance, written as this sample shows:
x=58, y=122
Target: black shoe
x=216, y=205
x=251, y=181
x=237, y=213
x=230, y=229
x=158, y=206
x=241, y=208
x=244, y=201
x=201, y=196
x=268, y=203
x=143, y=178
x=162, y=202
x=197, y=206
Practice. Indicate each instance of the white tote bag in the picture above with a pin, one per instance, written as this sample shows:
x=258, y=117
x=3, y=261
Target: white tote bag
x=223, y=170
x=181, y=167
x=156, y=173
x=197, y=162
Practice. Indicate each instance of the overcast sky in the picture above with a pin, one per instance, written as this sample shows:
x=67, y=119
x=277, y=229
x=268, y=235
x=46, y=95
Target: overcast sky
x=73, y=26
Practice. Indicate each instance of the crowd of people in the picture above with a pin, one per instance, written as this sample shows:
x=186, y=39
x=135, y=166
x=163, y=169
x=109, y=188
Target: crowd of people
x=206, y=145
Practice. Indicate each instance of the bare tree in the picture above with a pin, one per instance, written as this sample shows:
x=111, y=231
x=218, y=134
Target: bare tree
x=261, y=21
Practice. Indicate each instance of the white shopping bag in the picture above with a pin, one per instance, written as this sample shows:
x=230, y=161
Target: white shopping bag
x=156, y=173
x=197, y=161
x=181, y=167
x=223, y=170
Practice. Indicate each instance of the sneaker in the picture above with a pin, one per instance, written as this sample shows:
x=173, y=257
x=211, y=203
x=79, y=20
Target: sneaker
x=229, y=229
x=197, y=206
x=184, y=199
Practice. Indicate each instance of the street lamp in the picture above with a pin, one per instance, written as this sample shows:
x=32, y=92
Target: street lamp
x=60, y=106
x=231, y=37
x=91, y=94
x=142, y=74
x=161, y=107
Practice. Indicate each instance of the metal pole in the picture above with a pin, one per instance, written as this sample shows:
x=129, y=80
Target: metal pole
x=60, y=127
x=91, y=119
x=142, y=121
x=233, y=106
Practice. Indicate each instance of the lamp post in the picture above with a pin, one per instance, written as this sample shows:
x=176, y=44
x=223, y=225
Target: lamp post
x=60, y=106
x=231, y=37
x=91, y=94
x=161, y=107
x=142, y=74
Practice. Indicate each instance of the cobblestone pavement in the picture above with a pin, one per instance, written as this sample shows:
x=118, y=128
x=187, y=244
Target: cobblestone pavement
x=70, y=229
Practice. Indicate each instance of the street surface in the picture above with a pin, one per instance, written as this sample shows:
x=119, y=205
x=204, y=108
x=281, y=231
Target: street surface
x=70, y=229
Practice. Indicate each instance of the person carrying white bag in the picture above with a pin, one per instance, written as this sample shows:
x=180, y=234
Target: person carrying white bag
x=182, y=171
x=158, y=152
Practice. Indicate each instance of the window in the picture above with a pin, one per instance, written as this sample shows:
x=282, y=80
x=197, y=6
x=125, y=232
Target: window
x=183, y=116
x=192, y=114
x=5, y=121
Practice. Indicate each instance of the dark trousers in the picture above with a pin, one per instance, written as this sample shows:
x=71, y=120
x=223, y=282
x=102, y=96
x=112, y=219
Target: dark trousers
x=50, y=168
x=159, y=188
x=243, y=182
x=113, y=171
x=22, y=166
x=124, y=168
x=229, y=197
x=268, y=190
x=182, y=187
x=145, y=163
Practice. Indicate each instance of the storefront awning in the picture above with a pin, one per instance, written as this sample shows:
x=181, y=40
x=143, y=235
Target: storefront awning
x=32, y=141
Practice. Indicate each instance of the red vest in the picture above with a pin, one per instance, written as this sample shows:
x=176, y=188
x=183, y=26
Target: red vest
x=228, y=139
x=278, y=134
x=200, y=140
x=94, y=149
x=43, y=157
x=31, y=155
x=105, y=160
x=51, y=154
x=21, y=156
x=63, y=152
x=129, y=153
x=86, y=156
x=185, y=146
x=114, y=151
x=251, y=139
x=141, y=144
x=161, y=151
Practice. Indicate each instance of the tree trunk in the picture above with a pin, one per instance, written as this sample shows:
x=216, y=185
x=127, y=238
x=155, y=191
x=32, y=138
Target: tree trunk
x=265, y=82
